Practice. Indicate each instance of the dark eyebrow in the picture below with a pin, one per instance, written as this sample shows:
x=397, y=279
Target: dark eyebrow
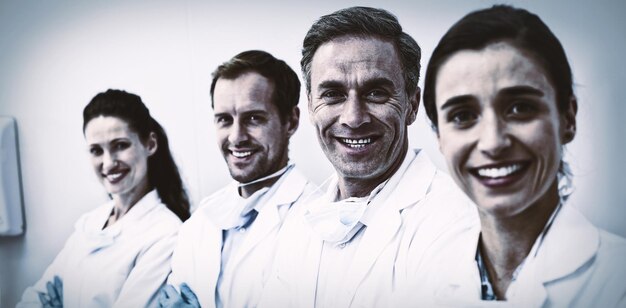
x=371, y=83
x=520, y=90
x=254, y=111
x=378, y=82
x=510, y=91
x=456, y=100
x=219, y=115
x=244, y=113
x=329, y=84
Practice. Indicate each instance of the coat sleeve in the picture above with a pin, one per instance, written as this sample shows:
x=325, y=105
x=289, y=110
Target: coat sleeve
x=30, y=297
x=181, y=259
x=148, y=274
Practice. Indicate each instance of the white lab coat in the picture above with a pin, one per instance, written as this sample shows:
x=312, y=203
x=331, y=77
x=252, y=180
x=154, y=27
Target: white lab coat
x=576, y=265
x=197, y=257
x=417, y=205
x=123, y=265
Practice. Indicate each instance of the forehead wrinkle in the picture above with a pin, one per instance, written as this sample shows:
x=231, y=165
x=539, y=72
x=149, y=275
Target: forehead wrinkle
x=371, y=62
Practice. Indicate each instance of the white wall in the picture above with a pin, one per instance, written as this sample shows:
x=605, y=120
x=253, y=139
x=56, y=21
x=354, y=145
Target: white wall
x=56, y=55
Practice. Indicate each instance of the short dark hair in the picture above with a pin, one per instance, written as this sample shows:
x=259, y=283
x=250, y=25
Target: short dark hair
x=286, y=83
x=363, y=22
x=162, y=171
x=502, y=23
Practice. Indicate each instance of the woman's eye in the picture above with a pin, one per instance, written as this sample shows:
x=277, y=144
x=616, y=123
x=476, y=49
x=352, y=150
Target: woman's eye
x=121, y=145
x=463, y=118
x=522, y=110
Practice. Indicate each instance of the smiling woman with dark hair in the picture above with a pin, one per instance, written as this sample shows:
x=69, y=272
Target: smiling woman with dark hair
x=499, y=94
x=119, y=254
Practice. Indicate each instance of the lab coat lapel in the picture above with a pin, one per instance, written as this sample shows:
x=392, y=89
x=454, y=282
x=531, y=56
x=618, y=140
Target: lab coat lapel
x=461, y=283
x=407, y=186
x=373, y=243
x=570, y=243
x=207, y=262
x=308, y=253
x=310, y=270
x=285, y=192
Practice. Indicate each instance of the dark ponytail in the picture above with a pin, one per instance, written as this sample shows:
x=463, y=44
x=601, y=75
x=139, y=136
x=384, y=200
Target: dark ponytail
x=162, y=170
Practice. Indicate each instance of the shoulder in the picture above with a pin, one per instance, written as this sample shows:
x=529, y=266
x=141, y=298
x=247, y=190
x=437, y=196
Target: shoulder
x=199, y=217
x=159, y=222
x=612, y=251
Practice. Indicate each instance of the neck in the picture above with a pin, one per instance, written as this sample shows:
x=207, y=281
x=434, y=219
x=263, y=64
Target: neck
x=248, y=190
x=124, y=202
x=360, y=187
x=506, y=241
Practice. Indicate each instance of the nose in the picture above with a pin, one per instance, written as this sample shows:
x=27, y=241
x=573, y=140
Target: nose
x=237, y=134
x=354, y=113
x=108, y=161
x=494, y=139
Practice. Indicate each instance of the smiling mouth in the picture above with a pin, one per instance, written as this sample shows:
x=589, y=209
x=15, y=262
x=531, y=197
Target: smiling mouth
x=500, y=174
x=242, y=154
x=115, y=177
x=356, y=143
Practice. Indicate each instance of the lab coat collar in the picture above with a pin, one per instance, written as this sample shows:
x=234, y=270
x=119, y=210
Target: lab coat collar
x=570, y=243
x=90, y=226
x=284, y=192
x=461, y=283
x=406, y=187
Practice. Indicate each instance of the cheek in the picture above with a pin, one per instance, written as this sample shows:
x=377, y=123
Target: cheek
x=96, y=164
x=324, y=117
x=541, y=138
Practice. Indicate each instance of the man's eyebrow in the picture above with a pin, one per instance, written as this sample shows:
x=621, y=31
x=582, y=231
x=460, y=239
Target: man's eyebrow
x=456, y=100
x=378, y=82
x=220, y=115
x=254, y=111
x=329, y=84
x=520, y=90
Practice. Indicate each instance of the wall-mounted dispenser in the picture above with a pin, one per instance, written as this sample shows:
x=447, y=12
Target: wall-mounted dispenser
x=11, y=218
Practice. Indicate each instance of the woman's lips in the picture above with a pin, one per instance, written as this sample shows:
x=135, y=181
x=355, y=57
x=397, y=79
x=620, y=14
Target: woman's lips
x=500, y=175
x=116, y=176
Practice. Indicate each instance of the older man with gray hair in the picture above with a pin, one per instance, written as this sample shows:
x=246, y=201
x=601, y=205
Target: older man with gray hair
x=386, y=203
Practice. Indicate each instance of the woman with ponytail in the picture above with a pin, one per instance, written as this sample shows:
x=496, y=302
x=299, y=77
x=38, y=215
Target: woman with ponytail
x=119, y=254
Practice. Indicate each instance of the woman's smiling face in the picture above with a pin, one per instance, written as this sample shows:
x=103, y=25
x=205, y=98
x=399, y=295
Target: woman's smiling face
x=118, y=156
x=499, y=128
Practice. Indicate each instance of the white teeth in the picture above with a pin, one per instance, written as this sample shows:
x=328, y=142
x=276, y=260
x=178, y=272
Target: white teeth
x=499, y=172
x=357, y=143
x=241, y=154
x=113, y=176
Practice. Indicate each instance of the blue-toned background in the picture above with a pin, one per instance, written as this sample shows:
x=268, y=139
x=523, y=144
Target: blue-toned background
x=56, y=55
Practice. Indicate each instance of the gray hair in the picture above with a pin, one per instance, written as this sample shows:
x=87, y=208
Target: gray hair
x=363, y=22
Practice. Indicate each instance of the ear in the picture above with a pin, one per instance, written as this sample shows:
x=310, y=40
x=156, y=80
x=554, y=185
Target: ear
x=414, y=104
x=293, y=120
x=310, y=105
x=568, y=121
x=152, y=144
